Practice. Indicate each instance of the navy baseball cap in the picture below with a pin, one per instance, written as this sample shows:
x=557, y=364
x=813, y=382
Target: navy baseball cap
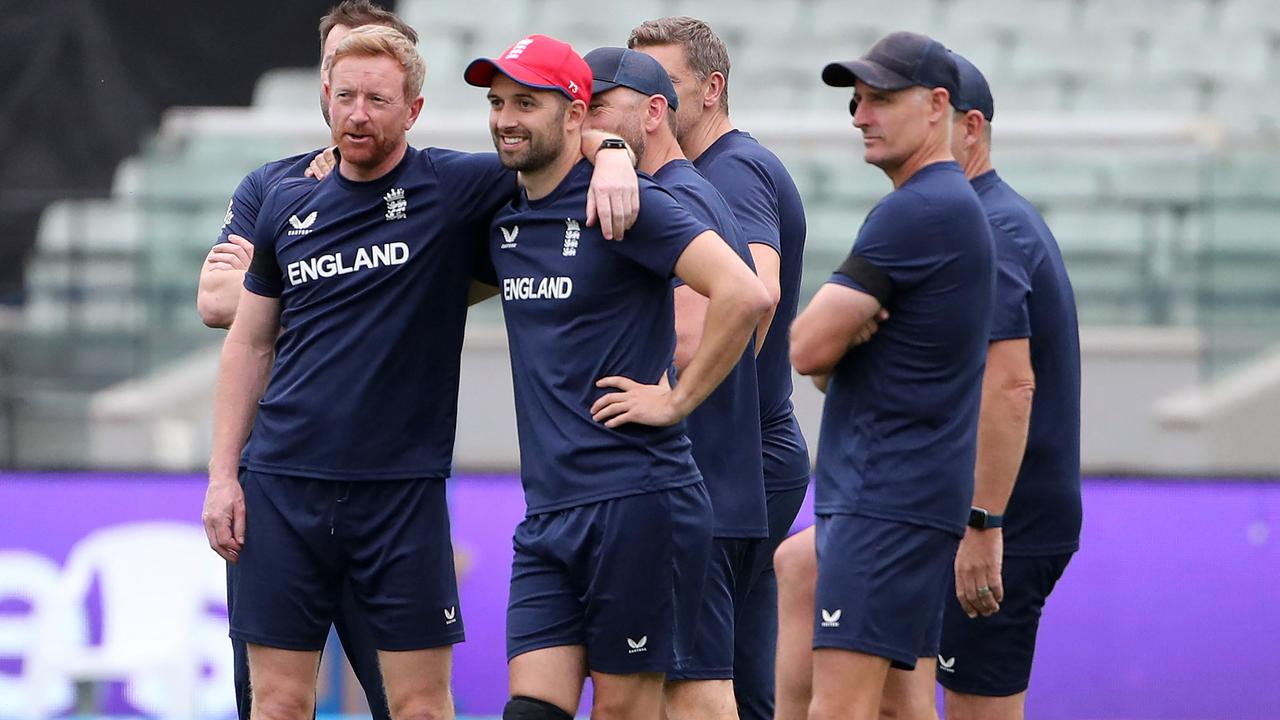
x=613, y=67
x=897, y=61
x=975, y=93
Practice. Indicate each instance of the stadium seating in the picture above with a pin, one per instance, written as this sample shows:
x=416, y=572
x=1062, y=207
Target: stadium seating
x=1135, y=223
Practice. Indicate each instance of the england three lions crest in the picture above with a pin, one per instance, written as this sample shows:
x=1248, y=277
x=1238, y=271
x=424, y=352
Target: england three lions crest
x=396, y=204
x=571, y=235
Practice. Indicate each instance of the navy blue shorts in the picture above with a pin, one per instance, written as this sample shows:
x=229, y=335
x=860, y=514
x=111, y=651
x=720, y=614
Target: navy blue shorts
x=622, y=577
x=353, y=634
x=305, y=537
x=881, y=587
x=729, y=576
x=992, y=656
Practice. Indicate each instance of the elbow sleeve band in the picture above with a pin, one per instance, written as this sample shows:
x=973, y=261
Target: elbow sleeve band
x=871, y=278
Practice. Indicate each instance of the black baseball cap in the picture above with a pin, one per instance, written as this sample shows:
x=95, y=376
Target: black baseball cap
x=897, y=61
x=613, y=67
x=975, y=93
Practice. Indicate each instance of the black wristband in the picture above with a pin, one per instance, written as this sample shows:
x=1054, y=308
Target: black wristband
x=871, y=278
x=980, y=519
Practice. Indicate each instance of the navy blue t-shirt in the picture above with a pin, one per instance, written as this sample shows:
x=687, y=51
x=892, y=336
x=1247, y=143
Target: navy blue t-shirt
x=767, y=205
x=246, y=201
x=372, y=279
x=725, y=428
x=579, y=308
x=899, y=427
x=1034, y=300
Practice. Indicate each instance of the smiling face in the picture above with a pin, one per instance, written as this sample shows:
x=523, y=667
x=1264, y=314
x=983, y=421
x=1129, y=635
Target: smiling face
x=369, y=112
x=894, y=123
x=527, y=124
x=620, y=111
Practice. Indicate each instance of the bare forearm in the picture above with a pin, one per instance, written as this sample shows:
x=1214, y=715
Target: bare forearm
x=762, y=328
x=691, y=319
x=767, y=263
x=218, y=295
x=731, y=318
x=1002, y=441
x=828, y=327
x=813, y=351
x=242, y=378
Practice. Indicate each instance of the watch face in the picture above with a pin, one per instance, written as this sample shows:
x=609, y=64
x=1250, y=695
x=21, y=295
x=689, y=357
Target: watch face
x=978, y=518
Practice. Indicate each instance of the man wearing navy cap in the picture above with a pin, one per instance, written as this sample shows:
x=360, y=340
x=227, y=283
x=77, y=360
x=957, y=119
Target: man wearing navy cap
x=1028, y=467
x=899, y=426
x=633, y=96
x=1031, y=390
x=611, y=556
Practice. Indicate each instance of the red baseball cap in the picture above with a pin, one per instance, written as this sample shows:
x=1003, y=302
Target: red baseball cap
x=539, y=62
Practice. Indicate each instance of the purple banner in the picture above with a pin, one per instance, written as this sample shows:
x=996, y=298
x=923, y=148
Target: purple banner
x=1169, y=610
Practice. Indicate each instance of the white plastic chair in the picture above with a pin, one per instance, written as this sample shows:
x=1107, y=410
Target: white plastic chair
x=158, y=582
x=33, y=580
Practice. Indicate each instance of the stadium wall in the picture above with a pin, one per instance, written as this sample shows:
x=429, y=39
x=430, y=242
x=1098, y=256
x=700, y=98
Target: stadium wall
x=1130, y=375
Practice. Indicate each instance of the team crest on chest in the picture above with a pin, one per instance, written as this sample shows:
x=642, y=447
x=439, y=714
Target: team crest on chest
x=572, y=233
x=396, y=204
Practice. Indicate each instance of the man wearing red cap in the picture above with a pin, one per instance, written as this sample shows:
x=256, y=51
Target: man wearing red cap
x=611, y=556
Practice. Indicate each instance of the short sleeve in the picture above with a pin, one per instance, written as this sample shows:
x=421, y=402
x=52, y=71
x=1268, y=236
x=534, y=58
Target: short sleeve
x=661, y=233
x=263, y=277
x=858, y=273
x=695, y=200
x=476, y=185
x=1011, y=315
x=482, y=269
x=749, y=192
x=242, y=210
x=898, y=240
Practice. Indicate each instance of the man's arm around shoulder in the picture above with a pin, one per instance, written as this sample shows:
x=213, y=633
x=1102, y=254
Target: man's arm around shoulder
x=221, y=278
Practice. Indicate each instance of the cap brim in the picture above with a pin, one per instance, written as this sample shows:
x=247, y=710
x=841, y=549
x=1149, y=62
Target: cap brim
x=844, y=74
x=603, y=86
x=482, y=70
x=599, y=86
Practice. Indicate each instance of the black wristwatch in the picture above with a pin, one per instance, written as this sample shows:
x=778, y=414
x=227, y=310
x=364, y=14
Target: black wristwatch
x=980, y=519
x=613, y=144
